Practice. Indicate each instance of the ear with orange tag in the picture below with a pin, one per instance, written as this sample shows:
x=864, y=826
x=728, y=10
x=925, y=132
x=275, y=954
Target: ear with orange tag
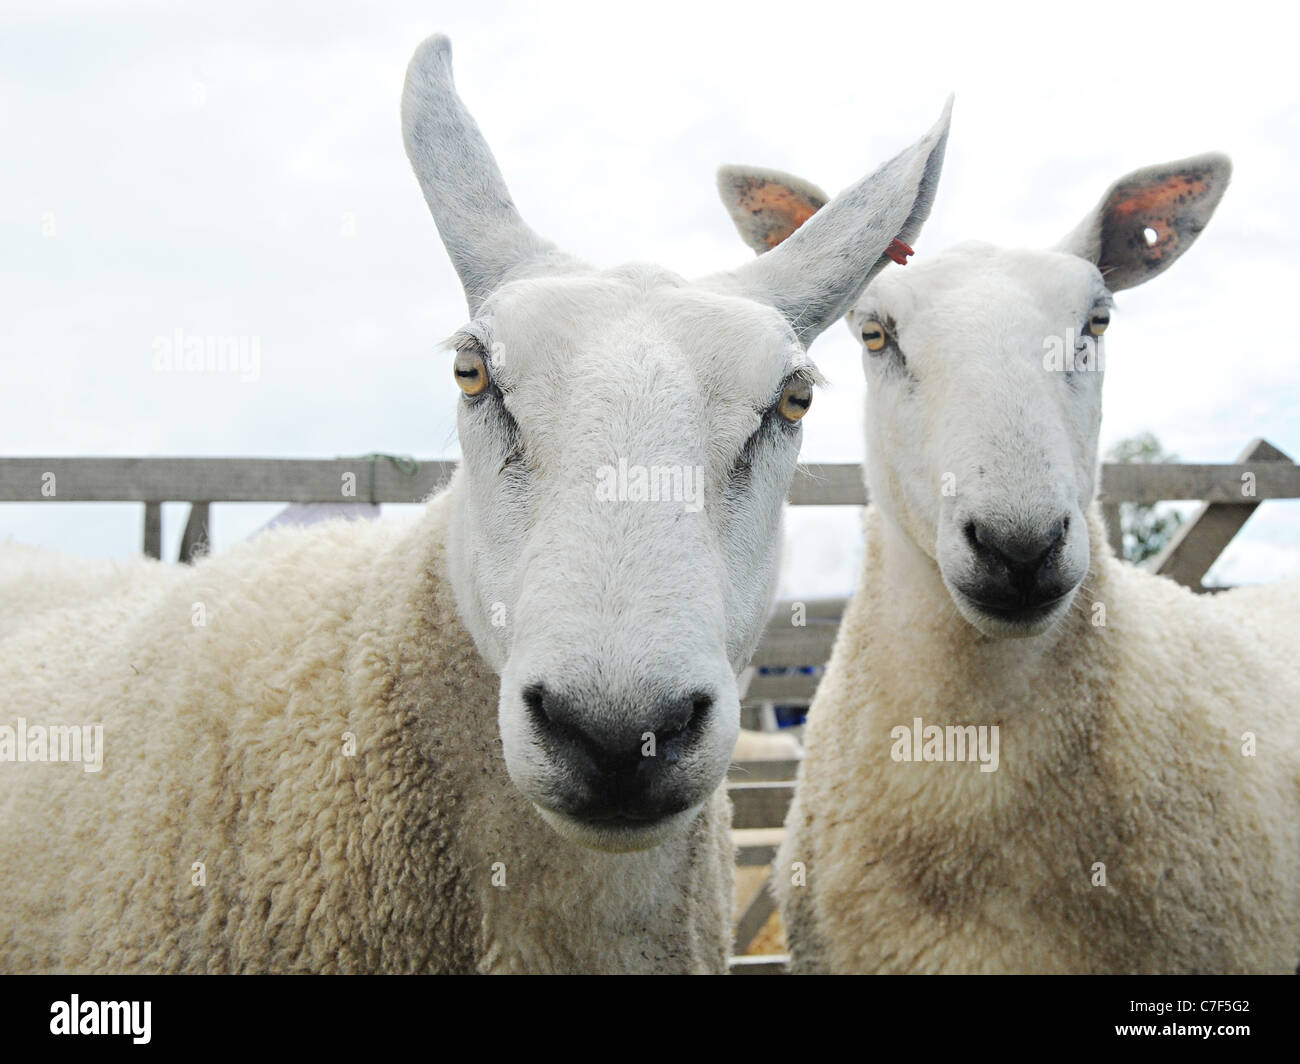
x=817, y=255
x=767, y=205
x=1149, y=218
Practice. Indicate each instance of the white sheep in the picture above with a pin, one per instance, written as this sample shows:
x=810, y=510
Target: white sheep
x=339, y=748
x=1127, y=797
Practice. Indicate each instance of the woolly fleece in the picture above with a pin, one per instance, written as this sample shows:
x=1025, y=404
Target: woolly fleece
x=225, y=744
x=1120, y=744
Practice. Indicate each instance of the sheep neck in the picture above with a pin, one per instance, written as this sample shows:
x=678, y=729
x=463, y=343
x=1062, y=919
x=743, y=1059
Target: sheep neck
x=927, y=655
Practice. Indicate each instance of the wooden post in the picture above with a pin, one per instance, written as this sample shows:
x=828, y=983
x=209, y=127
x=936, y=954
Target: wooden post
x=195, y=539
x=1114, y=528
x=1197, y=544
x=759, y=910
x=153, y=530
x=762, y=804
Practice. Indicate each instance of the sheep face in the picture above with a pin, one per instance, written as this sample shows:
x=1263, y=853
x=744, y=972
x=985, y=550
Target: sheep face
x=629, y=439
x=624, y=474
x=984, y=372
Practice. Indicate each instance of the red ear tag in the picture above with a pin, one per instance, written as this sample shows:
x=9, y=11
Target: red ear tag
x=898, y=251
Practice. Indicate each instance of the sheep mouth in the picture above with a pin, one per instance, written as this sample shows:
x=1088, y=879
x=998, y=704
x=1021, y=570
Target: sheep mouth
x=618, y=831
x=1006, y=620
x=1028, y=612
x=620, y=819
x=623, y=815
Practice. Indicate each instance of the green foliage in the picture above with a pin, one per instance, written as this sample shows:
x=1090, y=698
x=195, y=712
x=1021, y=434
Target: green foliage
x=1147, y=527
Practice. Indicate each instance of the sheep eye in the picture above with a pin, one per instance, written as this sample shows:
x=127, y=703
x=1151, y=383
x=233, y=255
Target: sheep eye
x=1097, y=322
x=874, y=336
x=470, y=371
x=795, y=399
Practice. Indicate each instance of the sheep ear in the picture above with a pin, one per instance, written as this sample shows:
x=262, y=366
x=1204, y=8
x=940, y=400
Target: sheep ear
x=1149, y=218
x=767, y=205
x=484, y=235
x=819, y=272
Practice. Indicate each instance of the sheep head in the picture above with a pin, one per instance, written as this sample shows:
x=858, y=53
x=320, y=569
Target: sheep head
x=984, y=368
x=628, y=441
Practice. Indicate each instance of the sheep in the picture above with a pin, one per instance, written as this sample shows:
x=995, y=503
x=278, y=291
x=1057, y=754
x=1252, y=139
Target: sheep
x=1126, y=796
x=492, y=739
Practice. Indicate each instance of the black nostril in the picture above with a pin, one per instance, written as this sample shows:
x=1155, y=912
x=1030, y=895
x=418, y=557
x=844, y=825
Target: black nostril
x=617, y=754
x=1020, y=552
x=679, y=730
x=597, y=732
x=671, y=719
x=1019, y=565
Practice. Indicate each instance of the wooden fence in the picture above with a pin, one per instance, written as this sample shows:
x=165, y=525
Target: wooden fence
x=786, y=665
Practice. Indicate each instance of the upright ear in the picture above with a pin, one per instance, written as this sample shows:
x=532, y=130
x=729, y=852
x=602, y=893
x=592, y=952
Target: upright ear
x=767, y=205
x=484, y=235
x=1149, y=218
x=813, y=277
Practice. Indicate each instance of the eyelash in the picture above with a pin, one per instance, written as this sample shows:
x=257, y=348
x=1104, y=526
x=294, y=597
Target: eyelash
x=494, y=394
x=891, y=349
x=744, y=460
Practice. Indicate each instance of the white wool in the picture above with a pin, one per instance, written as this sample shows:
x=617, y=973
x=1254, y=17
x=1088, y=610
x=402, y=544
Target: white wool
x=1121, y=746
x=226, y=746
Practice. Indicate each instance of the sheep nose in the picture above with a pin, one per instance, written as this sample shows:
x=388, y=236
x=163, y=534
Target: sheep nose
x=1025, y=559
x=619, y=759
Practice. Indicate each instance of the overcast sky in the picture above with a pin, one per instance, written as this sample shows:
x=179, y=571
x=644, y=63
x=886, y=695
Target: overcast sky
x=236, y=169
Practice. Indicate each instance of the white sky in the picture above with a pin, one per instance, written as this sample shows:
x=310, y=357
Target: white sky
x=202, y=170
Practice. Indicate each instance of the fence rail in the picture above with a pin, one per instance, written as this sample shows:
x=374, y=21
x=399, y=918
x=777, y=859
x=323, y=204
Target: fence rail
x=1229, y=493
x=379, y=479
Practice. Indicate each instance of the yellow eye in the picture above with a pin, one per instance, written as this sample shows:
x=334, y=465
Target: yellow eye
x=795, y=399
x=471, y=372
x=874, y=336
x=1097, y=321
